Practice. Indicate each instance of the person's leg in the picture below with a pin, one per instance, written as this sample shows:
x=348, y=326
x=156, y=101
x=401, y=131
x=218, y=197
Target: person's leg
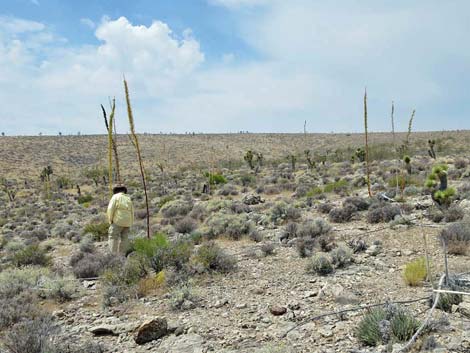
x=124, y=243
x=114, y=233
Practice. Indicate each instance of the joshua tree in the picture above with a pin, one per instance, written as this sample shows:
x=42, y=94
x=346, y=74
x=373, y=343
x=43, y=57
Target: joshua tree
x=310, y=162
x=46, y=178
x=437, y=184
x=360, y=154
x=407, y=161
x=431, y=151
x=293, y=159
x=135, y=142
x=249, y=159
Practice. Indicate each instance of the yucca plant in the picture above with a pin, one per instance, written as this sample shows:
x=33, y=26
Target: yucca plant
x=135, y=142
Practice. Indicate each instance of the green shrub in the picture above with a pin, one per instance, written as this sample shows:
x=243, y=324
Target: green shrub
x=314, y=191
x=336, y=186
x=403, y=325
x=148, y=247
x=33, y=255
x=341, y=256
x=320, y=264
x=13, y=281
x=176, y=208
x=384, y=325
x=182, y=298
x=164, y=200
x=233, y=226
x=58, y=288
x=176, y=254
x=415, y=272
x=368, y=331
x=99, y=231
x=85, y=199
x=212, y=258
x=215, y=178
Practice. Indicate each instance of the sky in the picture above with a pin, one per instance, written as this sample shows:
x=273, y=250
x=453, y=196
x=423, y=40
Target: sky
x=233, y=65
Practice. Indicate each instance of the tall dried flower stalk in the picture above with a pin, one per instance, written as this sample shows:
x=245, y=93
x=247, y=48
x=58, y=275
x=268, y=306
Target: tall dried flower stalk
x=135, y=142
x=367, y=144
x=112, y=145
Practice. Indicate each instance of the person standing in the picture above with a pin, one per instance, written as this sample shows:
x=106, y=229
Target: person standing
x=120, y=217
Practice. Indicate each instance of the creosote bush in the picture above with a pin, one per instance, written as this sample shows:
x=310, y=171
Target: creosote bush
x=382, y=212
x=415, y=272
x=341, y=256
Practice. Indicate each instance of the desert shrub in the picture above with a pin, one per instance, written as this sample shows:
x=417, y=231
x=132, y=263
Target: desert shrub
x=17, y=307
x=337, y=186
x=31, y=255
x=227, y=190
x=457, y=238
x=13, y=281
x=30, y=335
x=411, y=190
x=290, y=231
x=87, y=245
x=461, y=163
x=447, y=300
x=304, y=247
x=342, y=214
x=435, y=215
x=315, y=192
x=58, y=288
x=90, y=265
x=198, y=212
x=148, y=247
x=403, y=325
x=369, y=330
x=341, y=256
x=212, y=258
x=314, y=228
x=99, y=231
x=415, y=272
x=185, y=225
x=282, y=212
x=383, y=325
x=325, y=207
x=267, y=249
x=182, y=298
x=255, y=235
x=320, y=264
x=233, y=226
x=176, y=208
x=454, y=213
x=360, y=203
x=215, y=178
x=84, y=199
x=357, y=245
x=176, y=254
x=382, y=213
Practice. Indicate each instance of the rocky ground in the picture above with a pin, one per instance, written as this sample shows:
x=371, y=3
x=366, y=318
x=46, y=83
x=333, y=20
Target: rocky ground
x=269, y=302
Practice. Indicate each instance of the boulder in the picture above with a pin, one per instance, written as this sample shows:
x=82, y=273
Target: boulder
x=151, y=330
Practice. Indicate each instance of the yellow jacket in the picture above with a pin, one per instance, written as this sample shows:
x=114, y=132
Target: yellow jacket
x=121, y=210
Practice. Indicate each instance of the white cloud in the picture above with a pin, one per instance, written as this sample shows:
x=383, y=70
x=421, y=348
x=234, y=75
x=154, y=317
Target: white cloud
x=313, y=61
x=88, y=23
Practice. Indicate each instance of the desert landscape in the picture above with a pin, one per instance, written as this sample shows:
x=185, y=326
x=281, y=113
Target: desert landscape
x=258, y=243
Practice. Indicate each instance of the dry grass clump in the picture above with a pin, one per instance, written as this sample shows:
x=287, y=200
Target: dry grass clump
x=210, y=257
x=415, y=272
x=320, y=264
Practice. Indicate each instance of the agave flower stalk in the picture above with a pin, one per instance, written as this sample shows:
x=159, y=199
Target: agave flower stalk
x=367, y=144
x=135, y=142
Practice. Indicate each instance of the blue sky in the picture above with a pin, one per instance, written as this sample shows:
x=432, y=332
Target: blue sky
x=230, y=65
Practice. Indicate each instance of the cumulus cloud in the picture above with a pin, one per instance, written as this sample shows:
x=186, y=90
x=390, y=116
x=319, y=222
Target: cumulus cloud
x=312, y=62
x=61, y=87
x=88, y=23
